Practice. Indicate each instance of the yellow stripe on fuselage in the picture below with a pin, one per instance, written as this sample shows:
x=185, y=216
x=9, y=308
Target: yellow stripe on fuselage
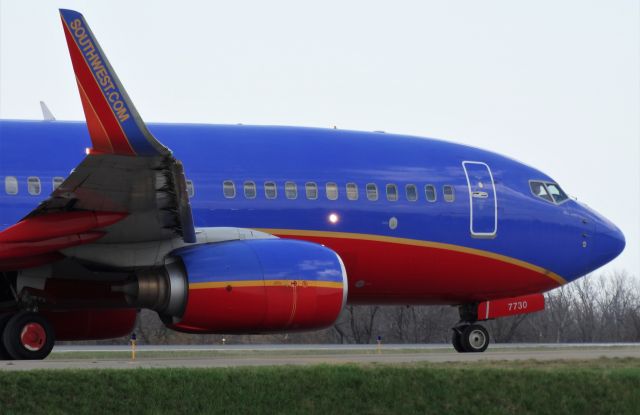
x=265, y=283
x=416, y=242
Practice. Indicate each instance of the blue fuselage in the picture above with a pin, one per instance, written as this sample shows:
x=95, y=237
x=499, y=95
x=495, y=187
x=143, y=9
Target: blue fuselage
x=567, y=240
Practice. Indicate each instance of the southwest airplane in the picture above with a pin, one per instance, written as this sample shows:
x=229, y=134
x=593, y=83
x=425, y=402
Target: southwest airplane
x=264, y=228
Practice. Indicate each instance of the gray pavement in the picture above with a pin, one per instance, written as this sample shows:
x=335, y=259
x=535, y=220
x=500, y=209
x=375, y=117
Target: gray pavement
x=323, y=347
x=270, y=355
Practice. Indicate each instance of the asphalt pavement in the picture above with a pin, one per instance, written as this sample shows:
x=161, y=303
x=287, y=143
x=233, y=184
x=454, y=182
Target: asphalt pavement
x=276, y=355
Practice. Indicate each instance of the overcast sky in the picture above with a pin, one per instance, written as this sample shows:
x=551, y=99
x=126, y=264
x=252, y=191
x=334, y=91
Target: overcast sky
x=552, y=83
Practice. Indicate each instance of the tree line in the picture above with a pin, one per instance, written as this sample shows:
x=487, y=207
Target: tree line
x=596, y=308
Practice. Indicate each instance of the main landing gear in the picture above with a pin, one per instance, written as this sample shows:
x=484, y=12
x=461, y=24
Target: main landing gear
x=25, y=336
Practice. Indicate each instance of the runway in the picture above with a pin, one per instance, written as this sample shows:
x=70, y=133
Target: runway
x=101, y=357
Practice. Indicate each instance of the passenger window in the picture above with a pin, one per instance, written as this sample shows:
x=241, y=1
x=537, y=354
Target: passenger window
x=352, y=191
x=56, y=182
x=191, y=191
x=312, y=190
x=540, y=190
x=11, y=185
x=332, y=191
x=229, y=189
x=392, y=192
x=557, y=193
x=291, y=190
x=372, y=191
x=430, y=193
x=449, y=195
x=249, y=190
x=412, y=192
x=270, y=191
x=33, y=186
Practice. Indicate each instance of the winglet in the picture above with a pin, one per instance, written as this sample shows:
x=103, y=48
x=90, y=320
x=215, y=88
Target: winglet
x=114, y=124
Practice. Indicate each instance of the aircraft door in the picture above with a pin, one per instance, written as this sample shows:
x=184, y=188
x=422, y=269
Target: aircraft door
x=483, y=214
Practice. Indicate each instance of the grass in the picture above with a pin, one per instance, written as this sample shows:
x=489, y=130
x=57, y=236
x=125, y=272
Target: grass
x=601, y=386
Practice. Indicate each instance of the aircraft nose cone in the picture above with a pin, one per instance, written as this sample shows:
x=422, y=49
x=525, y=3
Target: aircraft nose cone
x=610, y=242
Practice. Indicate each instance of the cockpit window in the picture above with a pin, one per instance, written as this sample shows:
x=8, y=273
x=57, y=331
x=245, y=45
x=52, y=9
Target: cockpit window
x=550, y=192
x=539, y=189
x=556, y=192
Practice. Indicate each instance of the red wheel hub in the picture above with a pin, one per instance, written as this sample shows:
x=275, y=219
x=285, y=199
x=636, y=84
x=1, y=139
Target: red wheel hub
x=33, y=336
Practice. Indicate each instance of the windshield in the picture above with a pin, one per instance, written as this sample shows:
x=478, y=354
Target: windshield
x=548, y=191
x=556, y=192
x=539, y=189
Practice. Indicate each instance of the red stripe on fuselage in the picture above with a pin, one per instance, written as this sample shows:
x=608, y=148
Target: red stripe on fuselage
x=381, y=272
x=98, y=101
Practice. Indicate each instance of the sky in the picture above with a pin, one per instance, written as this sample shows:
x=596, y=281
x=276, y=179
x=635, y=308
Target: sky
x=555, y=84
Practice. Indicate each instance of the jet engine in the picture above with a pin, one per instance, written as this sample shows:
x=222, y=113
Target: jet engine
x=91, y=324
x=246, y=286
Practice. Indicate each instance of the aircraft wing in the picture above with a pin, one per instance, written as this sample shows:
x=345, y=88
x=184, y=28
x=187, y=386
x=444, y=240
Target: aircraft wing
x=129, y=188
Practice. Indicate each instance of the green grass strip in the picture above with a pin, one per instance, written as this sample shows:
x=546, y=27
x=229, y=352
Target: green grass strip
x=327, y=389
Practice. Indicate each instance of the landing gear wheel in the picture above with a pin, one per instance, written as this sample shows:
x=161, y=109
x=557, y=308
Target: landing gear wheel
x=456, y=339
x=474, y=338
x=4, y=319
x=28, y=336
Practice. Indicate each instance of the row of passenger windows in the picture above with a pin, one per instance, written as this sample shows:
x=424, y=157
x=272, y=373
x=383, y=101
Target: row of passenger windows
x=34, y=186
x=332, y=191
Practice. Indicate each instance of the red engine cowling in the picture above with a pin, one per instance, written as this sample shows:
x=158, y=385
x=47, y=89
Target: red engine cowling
x=91, y=324
x=258, y=286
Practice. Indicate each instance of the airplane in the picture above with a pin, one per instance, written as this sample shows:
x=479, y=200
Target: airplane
x=258, y=229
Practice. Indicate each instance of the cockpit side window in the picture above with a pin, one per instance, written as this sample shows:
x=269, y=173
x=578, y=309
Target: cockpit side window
x=556, y=192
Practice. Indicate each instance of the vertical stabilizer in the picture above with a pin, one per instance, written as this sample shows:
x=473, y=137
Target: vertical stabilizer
x=46, y=113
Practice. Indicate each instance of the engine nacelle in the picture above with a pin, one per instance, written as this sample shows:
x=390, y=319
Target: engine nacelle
x=259, y=286
x=91, y=324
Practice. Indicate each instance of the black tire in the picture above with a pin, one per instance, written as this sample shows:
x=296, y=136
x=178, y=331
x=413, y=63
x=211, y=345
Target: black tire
x=456, y=341
x=4, y=319
x=28, y=336
x=475, y=338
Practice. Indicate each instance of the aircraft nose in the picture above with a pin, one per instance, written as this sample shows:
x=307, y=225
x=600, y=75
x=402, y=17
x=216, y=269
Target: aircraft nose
x=610, y=241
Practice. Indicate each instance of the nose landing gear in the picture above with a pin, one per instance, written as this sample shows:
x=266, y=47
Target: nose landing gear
x=470, y=338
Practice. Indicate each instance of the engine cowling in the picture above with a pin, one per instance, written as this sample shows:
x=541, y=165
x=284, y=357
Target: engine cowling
x=259, y=286
x=91, y=324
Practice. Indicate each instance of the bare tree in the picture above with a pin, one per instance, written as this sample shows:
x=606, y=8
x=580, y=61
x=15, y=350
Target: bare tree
x=594, y=308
